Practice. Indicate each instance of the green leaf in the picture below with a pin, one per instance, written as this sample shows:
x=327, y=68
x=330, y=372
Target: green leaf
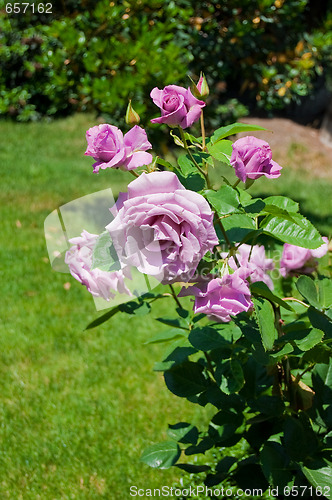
x=208, y=338
x=230, y=376
x=161, y=455
x=304, y=339
x=186, y=379
x=183, y=432
x=224, y=424
x=166, y=336
x=233, y=129
x=103, y=318
x=137, y=307
x=186, y=165
x=176, y=322
x=254, y=207
x=193, y=181
x=260, y=288
x=164, y=163
x=282, y=202
x=192, y=468
x=104, y=256
x=295, y=438
x=307, y=288
x=274, y=462
x=278, y=212
x=237, y=226
x=266, y=322
x=321, y=321
x=325, y=293
x=320, y=477
x=322, y=382
x=224, y=201
x=221, y=150
x=192, y=138
x=301, y=232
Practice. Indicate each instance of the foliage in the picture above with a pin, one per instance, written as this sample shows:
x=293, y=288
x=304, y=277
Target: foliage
x=94, y=55
x=272, y=52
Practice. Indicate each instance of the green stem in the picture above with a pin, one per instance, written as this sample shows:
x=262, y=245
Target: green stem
x=285, y=361
x=186, y=147
x=236, y=183
x=289, y=299
x=135, y=174
x=203, y=131
x=229, y=244
x=175, y=297
x=209, y=364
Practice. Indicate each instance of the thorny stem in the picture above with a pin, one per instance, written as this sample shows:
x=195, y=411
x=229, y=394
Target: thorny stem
x=175, y=297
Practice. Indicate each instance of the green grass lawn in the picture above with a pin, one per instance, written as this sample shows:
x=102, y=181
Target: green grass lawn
x=77, y=407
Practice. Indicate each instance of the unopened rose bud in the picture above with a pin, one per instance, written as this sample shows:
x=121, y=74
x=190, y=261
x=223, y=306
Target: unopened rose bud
x=201, y=90
x=132, y=118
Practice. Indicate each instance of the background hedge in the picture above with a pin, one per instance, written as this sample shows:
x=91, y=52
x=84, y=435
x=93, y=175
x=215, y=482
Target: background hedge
x=93, y=55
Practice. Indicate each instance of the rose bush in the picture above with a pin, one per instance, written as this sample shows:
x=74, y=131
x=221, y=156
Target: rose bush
x=261, y=358
x=112, y=149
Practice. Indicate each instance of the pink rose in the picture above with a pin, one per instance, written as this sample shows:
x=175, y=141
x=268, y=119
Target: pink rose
x=108, y=145
x=299, y=260
x=162, y=228
x=178, y=106
x=253, y=260
x=99, y=283
x=221, y=298
x=252, y=158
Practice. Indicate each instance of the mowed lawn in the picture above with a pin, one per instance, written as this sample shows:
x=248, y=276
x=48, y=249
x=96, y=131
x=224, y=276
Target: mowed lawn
x=78, y=407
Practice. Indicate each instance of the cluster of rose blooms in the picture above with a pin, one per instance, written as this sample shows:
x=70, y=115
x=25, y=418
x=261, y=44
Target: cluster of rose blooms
x=164, y=230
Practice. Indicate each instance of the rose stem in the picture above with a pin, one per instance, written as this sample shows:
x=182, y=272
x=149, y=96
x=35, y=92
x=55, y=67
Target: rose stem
x=227, y=240
x=203, y=131
x=175, y=297
x=191, y=156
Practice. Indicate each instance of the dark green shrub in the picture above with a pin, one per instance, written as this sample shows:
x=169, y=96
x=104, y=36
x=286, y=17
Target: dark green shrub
x=94, y=55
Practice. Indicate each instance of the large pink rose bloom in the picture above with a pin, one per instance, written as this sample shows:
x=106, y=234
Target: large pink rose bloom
x=111, y=149
x=221, y=298
x=99, y=283
x=254, y=262
x=162, y=228
x=252, y=158
x=299, y=260
x=178, y=106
